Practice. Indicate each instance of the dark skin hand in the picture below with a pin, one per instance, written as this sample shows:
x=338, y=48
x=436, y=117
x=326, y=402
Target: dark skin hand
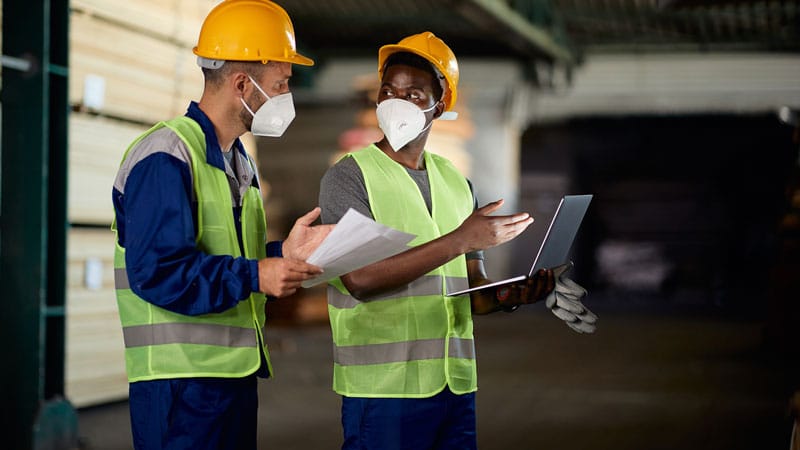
x=526, y=292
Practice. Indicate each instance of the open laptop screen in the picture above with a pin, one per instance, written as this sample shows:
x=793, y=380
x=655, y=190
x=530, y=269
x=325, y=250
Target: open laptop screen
x=557, y=242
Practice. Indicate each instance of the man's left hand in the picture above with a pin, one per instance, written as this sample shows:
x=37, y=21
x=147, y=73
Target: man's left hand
x=537, y=287
x=531, y=290
x=304, y=238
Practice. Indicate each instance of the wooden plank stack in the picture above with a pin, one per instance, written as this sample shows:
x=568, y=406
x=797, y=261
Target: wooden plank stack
x=95, y=366
x=141, y=51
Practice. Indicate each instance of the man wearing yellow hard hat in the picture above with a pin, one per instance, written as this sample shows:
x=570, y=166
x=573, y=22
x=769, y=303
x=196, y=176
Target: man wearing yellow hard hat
x=193, y=267
x=404, y=356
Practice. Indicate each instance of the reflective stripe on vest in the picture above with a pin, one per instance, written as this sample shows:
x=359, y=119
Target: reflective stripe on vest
x=427, y=285
x=414, y=341
x=160, y=344
x=403, y=351
x=121, y=279
x=188, y=333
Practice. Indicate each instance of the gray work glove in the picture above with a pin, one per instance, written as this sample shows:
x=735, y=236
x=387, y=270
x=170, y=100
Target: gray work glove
x=565, y=302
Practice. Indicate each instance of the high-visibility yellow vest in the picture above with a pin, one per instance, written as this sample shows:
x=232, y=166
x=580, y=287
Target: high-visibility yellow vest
x=414, y=341
x=161, y=344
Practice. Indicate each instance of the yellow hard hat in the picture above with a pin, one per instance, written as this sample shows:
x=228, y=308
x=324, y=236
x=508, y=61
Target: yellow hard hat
x=434, y=50
x=248, y=30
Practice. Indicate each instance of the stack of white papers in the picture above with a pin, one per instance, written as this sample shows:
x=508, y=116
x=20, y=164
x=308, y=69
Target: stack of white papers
x=356, y=241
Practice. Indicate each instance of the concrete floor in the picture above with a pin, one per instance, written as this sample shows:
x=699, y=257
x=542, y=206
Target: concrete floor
x=654, y=377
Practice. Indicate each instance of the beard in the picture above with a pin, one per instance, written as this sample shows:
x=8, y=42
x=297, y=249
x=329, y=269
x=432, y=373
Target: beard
x=244, y=114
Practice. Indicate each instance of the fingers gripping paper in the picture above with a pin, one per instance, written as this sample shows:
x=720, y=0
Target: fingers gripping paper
x=356, y=241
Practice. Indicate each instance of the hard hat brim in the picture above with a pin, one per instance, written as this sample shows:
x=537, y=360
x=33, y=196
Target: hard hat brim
x=297, y=58
x=387, y=50
x=208, y=63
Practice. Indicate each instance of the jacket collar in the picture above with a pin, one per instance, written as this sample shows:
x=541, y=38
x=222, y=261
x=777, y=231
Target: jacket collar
x=213, y=151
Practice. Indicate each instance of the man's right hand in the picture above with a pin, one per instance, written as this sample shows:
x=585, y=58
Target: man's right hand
x=280, y=277
x=481, y=231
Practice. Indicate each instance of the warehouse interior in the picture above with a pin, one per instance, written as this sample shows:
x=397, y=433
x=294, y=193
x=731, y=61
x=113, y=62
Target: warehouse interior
x=682, y=117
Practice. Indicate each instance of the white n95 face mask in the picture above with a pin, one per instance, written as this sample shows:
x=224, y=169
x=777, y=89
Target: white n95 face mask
x=401, y=121
x=274, y=116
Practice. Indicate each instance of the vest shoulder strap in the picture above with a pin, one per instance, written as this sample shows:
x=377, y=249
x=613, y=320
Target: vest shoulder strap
x=189, y=131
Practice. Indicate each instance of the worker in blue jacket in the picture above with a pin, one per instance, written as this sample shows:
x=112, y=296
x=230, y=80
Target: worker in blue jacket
x=192, y=265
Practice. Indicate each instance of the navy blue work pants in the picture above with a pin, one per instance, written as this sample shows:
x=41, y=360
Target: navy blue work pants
x=194, y=413
x=444, y=421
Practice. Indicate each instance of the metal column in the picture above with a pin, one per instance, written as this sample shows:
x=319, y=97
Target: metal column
x=33, y=225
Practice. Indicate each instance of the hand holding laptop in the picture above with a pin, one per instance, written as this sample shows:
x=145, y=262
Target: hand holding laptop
x=555, y=247
x=563, y=297
x=525, y=292
x=546, y=274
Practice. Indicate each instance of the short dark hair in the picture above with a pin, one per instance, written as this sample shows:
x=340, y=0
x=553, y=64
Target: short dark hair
x=252, y=68
x=417, y=62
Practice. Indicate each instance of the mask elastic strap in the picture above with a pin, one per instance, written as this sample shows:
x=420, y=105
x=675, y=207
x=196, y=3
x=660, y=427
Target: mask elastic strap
x=426, y=127
x=431, y=122
x=247, y=107
x=259, y=87
x=432, y=107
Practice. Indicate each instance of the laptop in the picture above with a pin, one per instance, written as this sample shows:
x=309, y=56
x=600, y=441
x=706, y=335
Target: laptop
x=557, y=242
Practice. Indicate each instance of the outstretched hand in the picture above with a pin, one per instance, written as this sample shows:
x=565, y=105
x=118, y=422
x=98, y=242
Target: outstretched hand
x=304, y=238
x=481, y=231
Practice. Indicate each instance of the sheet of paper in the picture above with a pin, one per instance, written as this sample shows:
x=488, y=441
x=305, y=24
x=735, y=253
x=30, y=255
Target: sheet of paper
x=356, y=241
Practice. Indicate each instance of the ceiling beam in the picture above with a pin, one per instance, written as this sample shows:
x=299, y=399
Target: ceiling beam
x=531, y=34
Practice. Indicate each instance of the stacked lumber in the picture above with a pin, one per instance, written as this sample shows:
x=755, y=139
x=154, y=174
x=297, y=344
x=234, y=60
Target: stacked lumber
x=140, y=52
x=96, y=145
x=95, y=365
x=141, y=71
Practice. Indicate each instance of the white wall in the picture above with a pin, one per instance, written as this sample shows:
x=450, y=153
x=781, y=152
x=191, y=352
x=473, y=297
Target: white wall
x=675, y=83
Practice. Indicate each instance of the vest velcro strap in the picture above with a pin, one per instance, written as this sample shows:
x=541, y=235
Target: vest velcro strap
x=424, y=286
x=189, y=333
x=121, y=279
x=359, y=355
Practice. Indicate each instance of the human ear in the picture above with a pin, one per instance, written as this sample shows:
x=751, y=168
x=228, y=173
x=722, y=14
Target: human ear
x=239, y=82
x=439, y=110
